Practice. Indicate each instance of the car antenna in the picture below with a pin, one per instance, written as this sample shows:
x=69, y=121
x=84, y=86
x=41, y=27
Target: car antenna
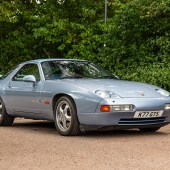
x=46, y=53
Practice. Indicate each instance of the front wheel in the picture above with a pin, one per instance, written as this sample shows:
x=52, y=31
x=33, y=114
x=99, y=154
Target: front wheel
x=5, y=119
x=65, y=117
x=154, y=129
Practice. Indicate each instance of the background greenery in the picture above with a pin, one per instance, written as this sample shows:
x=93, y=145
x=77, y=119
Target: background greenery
x=137, y=35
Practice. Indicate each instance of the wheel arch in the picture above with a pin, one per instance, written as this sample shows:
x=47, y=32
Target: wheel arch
x=57, y=96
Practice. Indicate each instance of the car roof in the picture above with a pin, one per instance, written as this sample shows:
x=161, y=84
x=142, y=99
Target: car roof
x=52, y=59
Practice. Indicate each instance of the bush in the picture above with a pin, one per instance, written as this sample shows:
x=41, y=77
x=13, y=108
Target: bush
x=138, y=42
x=137, y=35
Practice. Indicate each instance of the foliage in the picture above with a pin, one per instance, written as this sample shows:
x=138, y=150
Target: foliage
x=139, y=42
x=137, y=35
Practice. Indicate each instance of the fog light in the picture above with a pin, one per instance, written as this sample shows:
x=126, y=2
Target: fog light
x=122, y=107
x=167, y=106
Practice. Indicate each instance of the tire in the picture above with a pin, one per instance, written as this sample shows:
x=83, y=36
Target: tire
x=5, y=119
x=65, y=117
x=154, y=129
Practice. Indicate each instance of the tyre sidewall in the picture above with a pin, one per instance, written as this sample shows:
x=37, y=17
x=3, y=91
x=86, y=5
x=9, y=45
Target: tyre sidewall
x=6, y=119
x=74, y=118
x=3, y=110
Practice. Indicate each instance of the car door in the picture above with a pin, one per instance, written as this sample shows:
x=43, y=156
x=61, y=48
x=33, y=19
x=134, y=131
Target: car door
x=25, y=97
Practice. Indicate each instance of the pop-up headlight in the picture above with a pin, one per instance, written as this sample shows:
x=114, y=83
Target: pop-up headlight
x=163, y=92
x=167, y=106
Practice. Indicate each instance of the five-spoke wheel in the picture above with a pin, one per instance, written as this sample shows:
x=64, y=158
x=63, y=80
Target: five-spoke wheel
x=65, y=114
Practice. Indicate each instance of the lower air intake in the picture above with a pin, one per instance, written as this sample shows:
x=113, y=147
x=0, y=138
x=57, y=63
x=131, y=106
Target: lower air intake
x=143, y=121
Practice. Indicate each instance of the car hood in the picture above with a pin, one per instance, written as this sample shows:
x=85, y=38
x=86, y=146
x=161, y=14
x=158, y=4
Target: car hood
x=122, y=88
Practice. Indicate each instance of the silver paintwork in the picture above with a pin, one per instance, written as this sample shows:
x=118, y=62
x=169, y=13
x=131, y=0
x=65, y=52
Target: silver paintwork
x=23, y=99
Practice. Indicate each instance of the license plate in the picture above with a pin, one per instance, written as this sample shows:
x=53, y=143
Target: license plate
x=148, y=114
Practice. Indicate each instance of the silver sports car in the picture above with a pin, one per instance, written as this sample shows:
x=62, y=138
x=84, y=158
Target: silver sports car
x=79, y=95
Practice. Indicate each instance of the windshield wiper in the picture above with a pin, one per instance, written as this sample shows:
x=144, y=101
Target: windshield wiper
x=72, y=77
x=105, y=77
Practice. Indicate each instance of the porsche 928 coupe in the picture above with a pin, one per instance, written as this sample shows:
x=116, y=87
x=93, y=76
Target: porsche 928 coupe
x=78, y=94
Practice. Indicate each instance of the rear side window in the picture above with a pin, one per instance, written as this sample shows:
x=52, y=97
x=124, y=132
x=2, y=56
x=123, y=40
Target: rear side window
x=28, y=69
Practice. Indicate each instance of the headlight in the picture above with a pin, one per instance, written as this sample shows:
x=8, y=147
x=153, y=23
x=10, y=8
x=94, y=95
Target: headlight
x=122, y=107
x=106, y=94
x=163, y=92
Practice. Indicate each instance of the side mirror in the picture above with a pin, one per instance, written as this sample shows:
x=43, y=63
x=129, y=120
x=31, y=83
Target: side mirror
x=30, y=78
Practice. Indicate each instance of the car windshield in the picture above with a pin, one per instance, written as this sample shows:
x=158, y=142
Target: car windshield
x=74, y=70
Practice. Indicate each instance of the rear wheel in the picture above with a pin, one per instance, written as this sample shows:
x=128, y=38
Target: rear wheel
x=5, y=119
x=65, y=114
x=149, y=129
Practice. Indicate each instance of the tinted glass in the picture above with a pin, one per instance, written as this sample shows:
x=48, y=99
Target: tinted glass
x=73, y=69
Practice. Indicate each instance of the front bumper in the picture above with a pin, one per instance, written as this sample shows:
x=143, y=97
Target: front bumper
x=126, y=119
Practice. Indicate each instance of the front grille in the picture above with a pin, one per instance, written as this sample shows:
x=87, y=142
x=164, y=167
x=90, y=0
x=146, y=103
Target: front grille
x=143, y=121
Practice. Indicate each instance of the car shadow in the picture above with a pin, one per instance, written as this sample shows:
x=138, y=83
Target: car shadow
x=35, y=125
x=122, y=133
x=46, y=127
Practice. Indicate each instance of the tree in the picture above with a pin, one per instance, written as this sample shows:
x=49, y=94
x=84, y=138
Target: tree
x=139, y=42
x=137, y=35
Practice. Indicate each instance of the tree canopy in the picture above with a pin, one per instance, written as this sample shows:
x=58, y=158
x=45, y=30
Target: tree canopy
x=137, y=35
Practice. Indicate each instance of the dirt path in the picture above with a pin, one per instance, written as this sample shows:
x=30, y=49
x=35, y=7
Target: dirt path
x=35, y=145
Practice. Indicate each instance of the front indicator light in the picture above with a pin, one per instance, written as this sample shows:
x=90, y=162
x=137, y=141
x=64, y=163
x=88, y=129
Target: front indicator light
x=167, y=106
x=105, y=108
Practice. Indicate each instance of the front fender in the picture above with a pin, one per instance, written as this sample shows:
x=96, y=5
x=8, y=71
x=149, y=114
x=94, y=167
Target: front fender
x=85, y=101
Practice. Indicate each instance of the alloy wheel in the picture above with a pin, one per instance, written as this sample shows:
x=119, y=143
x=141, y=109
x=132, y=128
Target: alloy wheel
x=63, y=116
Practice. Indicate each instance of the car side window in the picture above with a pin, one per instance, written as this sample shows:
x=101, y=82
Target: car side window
x=28, y=69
